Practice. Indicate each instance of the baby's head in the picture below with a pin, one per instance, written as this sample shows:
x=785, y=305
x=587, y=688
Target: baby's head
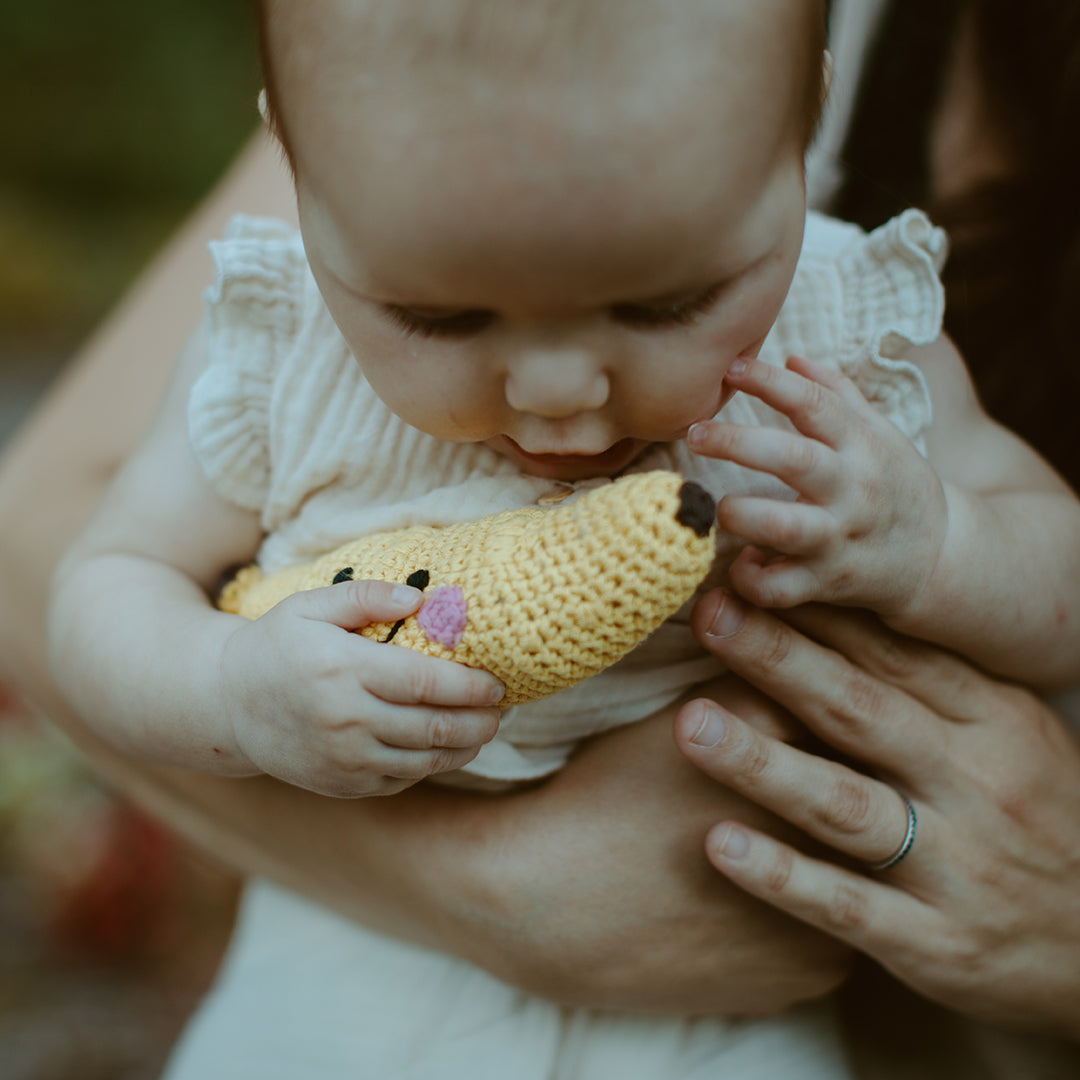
x=549, y=225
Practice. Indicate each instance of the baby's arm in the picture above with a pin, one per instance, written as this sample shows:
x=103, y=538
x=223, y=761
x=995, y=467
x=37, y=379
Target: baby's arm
x=139, y=651
x=974, y=547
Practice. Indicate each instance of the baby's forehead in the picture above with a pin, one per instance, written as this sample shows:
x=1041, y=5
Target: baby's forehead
x=509, y=37
x=375, y=52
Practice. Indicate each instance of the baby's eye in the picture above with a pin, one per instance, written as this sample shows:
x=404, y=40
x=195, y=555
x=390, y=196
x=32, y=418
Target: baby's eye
x=682, y=312
x=455, y=324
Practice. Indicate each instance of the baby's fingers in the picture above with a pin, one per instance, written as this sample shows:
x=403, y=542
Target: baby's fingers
x=400, y=764
x=817, y=400
x=792, y=528
x=405, y=677
x=784, y=582
x=354, y=604
x=408, y=728
x=808, y=466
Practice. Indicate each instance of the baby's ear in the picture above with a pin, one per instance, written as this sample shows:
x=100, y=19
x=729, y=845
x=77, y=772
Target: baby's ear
x=826, y=75
x=266, y=112
x=273, y=129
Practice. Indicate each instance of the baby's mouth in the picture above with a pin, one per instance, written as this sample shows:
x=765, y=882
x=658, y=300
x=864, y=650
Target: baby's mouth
x=575, y=466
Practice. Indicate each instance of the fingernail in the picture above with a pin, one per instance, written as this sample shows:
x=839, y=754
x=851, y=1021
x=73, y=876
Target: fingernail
x=728, y=618
x=711, y=731
x=496, y=694
x=697, y=434
x=733, y=843
x=405, y=595
x=738, y=366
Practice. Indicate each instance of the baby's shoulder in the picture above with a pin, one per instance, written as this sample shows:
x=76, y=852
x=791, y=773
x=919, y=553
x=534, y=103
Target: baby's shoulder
x=861, y=302
x=853, y=289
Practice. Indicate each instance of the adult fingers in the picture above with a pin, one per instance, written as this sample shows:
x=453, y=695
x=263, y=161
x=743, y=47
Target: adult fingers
x=410, y=678
x=939, y=679
x=867, y=914
x=849, y=709
x=752, y=707
x=855, y=814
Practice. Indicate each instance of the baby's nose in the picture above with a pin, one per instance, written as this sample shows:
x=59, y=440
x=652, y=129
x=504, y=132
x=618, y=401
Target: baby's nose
x=557, y=383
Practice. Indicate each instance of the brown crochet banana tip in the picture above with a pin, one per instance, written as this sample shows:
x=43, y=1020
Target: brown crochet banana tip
x=540, y=597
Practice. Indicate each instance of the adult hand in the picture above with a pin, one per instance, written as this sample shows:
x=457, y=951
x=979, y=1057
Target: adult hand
x=593, y=889
x=983, y=913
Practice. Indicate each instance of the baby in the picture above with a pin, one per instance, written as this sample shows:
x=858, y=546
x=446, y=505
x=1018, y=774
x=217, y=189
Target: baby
x=542, y=242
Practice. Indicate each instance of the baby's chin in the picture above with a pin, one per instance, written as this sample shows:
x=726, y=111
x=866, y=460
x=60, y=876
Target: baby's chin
x=570, y=467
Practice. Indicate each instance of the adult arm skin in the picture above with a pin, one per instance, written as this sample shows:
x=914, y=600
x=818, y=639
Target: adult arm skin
x=983, y=913
x=492, y=880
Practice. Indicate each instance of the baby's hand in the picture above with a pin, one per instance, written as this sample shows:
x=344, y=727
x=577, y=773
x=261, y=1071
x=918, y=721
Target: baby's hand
x=333, y=712
x=869, y=522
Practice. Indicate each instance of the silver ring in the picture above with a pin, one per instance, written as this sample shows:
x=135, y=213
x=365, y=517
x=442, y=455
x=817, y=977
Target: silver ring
x=905, y=844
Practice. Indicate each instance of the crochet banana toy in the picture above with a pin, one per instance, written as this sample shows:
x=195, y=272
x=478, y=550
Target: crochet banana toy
x=541, y=598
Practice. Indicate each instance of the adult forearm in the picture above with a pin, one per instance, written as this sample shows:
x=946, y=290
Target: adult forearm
x=56, y=467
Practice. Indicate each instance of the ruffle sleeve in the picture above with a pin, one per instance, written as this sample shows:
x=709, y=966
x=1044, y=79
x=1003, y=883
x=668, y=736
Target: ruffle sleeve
x=892, y=301
x=251, y=321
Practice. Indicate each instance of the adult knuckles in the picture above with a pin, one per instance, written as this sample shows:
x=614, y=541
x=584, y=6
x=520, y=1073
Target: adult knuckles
x=753, y=758
x=961, y=957
x=857, y=701
x=767, y=648
x=777, y=875
x=846, y=910
x=899, y=659
x=847, y=808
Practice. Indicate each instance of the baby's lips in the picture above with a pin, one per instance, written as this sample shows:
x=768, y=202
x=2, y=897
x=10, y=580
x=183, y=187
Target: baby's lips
x=697, y=508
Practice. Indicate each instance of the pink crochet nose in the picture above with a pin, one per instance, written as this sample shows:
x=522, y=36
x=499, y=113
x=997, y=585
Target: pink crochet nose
x=443, y=616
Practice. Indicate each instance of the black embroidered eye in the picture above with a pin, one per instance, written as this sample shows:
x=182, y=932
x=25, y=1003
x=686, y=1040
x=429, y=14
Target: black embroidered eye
x=418, y=579
x=345, y=574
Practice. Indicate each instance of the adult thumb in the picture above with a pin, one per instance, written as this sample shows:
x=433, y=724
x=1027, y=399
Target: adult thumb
x=355, y=604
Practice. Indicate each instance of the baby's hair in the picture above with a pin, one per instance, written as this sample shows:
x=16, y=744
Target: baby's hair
x=479, y=28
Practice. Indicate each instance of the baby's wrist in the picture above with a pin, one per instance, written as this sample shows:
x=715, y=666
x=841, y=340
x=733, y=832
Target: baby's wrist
x=927, y=596
x=224, y=750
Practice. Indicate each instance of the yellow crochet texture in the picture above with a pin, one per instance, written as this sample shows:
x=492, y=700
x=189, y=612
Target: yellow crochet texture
x=540, y=597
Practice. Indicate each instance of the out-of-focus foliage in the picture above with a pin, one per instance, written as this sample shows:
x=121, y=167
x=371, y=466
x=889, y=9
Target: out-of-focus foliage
x=116, y=115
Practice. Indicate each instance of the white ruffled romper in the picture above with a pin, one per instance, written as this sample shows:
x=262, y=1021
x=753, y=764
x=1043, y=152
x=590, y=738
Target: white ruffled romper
x=284, y=423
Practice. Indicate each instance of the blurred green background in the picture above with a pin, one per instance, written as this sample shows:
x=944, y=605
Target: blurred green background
x=117, y=115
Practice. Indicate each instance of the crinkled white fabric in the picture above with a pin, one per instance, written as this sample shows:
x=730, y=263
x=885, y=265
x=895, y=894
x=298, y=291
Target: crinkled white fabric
x=306, y=995
x=284, y=423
